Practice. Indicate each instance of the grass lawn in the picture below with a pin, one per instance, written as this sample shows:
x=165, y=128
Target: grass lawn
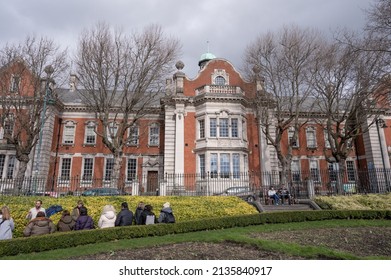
x=251, y=236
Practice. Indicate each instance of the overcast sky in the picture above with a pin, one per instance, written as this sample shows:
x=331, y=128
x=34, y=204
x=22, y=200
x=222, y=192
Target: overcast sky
x=228, y=25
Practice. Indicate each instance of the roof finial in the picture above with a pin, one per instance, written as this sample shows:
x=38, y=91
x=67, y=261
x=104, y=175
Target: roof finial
x=207, y=44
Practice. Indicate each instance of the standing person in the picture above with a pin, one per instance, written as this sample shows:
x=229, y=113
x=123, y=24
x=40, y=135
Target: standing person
x=107, y=219
x=147, y=216
x=66, y=223
x=7, y=225
x=125, y=216
x=84, y=221
x=40, y=225
x=138, y=212
x=166, y=214
x=32, y=214
x=76, y=211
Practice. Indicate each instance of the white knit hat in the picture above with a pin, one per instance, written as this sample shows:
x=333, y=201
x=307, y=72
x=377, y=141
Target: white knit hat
x=166, y=205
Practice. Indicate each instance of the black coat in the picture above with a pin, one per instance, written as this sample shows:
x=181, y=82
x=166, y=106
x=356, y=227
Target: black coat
x=124, y=218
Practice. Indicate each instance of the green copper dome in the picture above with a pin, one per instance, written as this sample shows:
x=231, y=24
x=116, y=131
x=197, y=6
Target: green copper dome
x=204, y=58
x=207, y=56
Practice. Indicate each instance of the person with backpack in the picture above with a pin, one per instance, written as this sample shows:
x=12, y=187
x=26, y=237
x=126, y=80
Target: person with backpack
x=7, y=225
x=166, y=214
x=147, y=216
x=84, y=221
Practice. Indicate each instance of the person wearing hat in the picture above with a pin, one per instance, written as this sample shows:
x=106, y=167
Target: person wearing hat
x=166, y=214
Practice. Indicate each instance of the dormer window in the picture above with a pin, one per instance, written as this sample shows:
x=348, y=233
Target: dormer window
x=220, y=81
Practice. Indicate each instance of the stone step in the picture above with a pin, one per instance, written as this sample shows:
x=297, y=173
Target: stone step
x=286, y=207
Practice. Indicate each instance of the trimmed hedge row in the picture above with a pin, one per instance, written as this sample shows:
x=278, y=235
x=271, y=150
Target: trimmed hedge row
x=76, y=238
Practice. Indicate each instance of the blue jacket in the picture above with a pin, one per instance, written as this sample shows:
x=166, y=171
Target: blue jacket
x=84, y=222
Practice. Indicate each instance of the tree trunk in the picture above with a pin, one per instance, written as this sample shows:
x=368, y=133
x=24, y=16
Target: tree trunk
x=19, y=180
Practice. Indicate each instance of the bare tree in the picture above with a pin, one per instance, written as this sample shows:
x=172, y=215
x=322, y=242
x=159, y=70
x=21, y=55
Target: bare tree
x=285, y=62
x=378, y=26
x=22, y=95
x=121, y=77
x=347, y=81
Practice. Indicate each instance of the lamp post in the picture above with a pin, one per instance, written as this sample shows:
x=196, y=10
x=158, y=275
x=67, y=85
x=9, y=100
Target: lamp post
x=47, y=98
x=380, y=123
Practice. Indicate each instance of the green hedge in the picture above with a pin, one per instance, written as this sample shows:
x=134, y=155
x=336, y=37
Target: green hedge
x=71, y=239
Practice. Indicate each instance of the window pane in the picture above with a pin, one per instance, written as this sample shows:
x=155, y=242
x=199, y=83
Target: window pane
x=332, y=172
x=311, y=140
x=65, y=169
x=154, y=136
x=11, y=167
x=2, y=162
x=224, y=166
x=213, y=165
x=90, y=134
x=314, y=170
x=201, y=124
x=350, y=170
x=295, y=169
x=133, y=136
x=236, y=166
x=88, y=169
x=219, y=80
x=202, y=165
x=109, y=168
x=213, y=127
x=69, y=131
x=132, y=169
x=234, y=128
x=293, y=143
x=224, y=128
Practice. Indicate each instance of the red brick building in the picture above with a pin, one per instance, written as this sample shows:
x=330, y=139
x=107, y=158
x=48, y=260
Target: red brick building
x=204, y=130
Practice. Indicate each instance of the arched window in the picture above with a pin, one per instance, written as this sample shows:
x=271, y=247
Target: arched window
x=220, y=81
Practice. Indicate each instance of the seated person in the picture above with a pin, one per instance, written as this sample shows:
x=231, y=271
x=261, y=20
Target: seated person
x=273, y=195
x=285, y=195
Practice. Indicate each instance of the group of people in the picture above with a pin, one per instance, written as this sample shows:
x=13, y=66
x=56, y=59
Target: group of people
x=79, y=219
x=279, y=196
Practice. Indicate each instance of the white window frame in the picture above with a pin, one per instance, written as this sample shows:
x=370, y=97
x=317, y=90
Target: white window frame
x=112, y=129
x=201, y=128
x=224, y=127
x=213, y=127
x=133, y=133
x=235, y=127
x=68, y=137
x=90, y=176
x=291, y=131
x=62, y=178
x=202, y=165
x=154, y=135
x=314, y=170
x=311, y=142
x=129, y=177
x=220, y=81
x=296, y=170
x=89, y=132
x=327, y=144
x=106, y=175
